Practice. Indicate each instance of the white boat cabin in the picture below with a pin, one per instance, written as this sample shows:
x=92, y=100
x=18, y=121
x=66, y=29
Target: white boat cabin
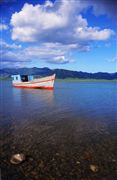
x=22, y=78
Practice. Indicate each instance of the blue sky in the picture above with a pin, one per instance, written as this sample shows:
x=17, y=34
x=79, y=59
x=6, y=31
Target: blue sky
x=71, y=34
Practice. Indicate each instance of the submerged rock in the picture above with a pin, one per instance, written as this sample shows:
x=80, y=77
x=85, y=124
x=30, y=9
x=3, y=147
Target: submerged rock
x=94, y=168
x=17, y=158
x=77, y=162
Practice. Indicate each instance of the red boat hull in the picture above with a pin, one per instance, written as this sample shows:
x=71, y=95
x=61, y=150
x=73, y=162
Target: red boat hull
x=34, y=87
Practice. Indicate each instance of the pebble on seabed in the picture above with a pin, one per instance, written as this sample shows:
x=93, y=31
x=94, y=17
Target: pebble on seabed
x=94, y=168
x=17, y=158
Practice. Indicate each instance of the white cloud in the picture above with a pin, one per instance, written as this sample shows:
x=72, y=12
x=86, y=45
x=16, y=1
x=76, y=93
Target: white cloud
x=55, y=53
x=12, y=59
x=13, y=55
x=60, y=22
x=48, y=4
x=60, y=60
x=4, y=45
x=101, y=7
x=3, y=27
x=89, y=33
x=114, y=59
x=58, y=29
x=31, y=21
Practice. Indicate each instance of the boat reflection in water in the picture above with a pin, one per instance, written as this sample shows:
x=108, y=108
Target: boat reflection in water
x=31, y=102
x=30, y=110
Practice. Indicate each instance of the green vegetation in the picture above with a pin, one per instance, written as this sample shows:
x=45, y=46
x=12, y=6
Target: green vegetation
x=60, y=73
x=70, y=79
x=5, y=78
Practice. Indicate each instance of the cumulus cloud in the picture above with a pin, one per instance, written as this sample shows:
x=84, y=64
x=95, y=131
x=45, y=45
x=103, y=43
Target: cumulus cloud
x=48, y=4
x=101, y=7
x=11, y=59
x=55, y=53
x=90, y=33
x=10, y=54
x=4, y=45
x=60, y=22
x=60, y=60
x=3, y=27
x=58, y=29
x=26, y=26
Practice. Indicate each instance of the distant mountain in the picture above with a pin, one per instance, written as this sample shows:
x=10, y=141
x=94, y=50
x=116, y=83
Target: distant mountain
x=60, y=73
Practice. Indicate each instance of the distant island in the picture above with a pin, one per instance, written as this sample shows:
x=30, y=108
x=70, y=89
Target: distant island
x=60, y=73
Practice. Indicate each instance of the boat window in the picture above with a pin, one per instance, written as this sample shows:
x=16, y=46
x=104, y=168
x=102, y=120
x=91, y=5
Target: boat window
x=24, y=78
x=16, y=78
x=12, y=78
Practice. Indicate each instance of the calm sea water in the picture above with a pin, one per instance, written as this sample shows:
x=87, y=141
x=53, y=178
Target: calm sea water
x=59, y=130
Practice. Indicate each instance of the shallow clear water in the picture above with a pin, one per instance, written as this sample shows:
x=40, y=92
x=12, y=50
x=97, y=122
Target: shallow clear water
x=56, y=129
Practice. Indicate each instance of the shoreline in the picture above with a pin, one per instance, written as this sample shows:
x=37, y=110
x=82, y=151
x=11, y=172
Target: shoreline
x=73, y=80
x=85, y=80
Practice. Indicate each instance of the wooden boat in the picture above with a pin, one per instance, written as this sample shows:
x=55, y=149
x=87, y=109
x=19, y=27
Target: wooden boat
x=25, y=81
